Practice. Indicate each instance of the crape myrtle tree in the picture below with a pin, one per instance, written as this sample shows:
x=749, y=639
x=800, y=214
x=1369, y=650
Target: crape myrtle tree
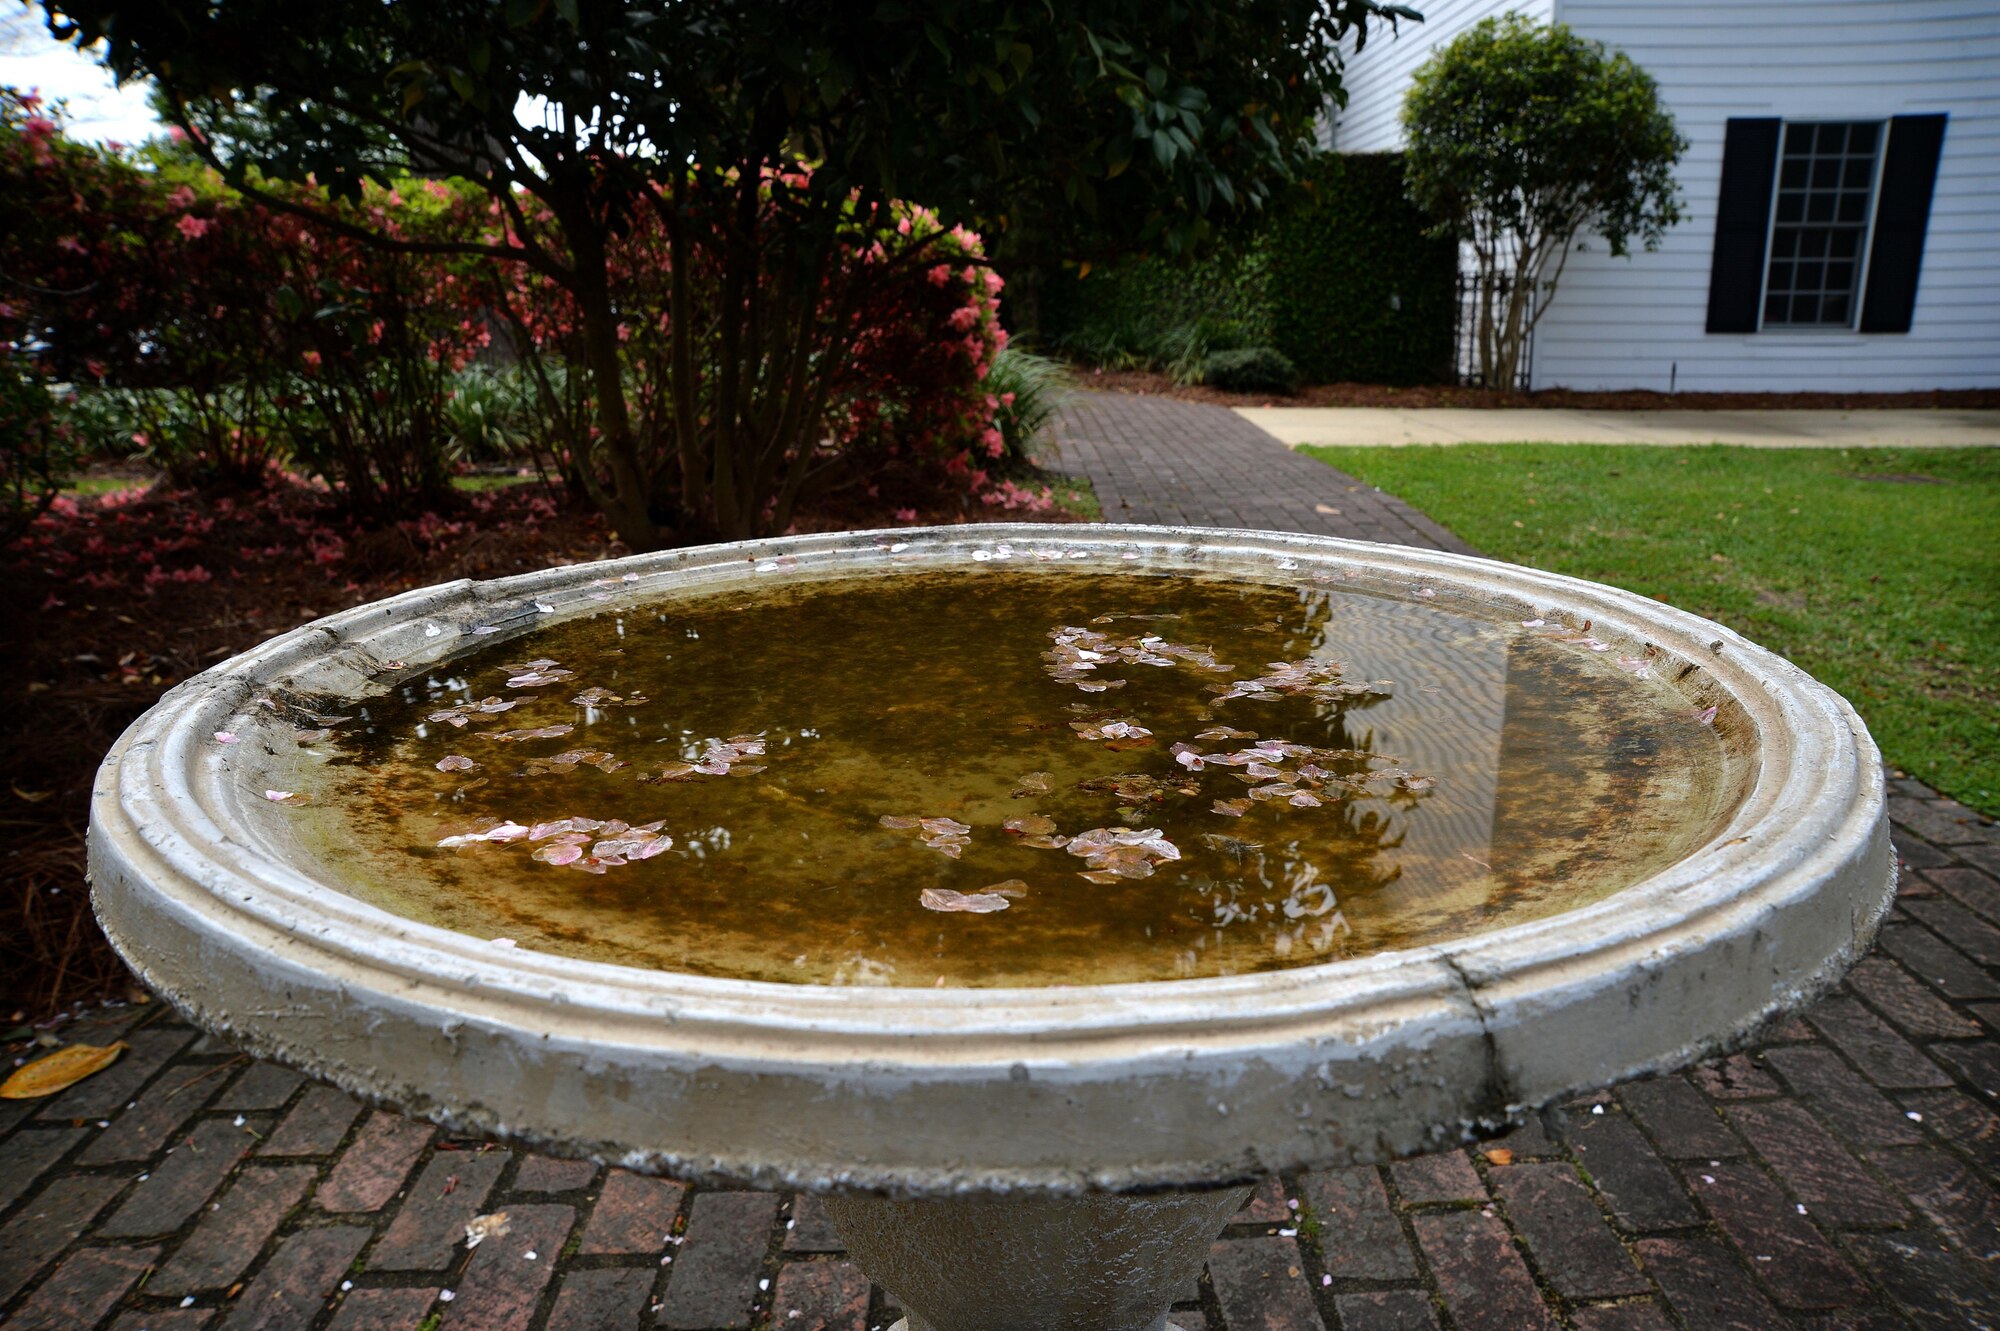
x=1523, y=137
x=767, y=140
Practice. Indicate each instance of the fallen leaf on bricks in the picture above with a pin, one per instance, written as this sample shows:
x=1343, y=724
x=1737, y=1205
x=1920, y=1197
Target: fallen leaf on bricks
x=483, y=1227
x=60, y=1070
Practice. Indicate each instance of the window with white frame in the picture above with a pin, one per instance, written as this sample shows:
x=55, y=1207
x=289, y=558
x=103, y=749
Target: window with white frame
x=1819, y=223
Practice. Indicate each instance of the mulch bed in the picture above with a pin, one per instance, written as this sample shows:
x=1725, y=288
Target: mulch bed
x=1445, y=395
x=111, y=600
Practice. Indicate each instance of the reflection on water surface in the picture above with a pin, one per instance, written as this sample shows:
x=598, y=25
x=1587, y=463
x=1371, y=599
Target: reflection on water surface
x=1009, y=778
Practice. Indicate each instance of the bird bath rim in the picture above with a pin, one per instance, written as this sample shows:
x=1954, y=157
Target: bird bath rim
x=923, y=1092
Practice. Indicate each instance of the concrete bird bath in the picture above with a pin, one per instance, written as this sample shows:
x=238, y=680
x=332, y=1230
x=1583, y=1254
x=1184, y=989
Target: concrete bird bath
x=1012, y=1156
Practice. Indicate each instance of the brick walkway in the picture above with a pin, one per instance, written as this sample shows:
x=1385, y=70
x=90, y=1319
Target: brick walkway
x=1159, y=459
x=1840, y=1177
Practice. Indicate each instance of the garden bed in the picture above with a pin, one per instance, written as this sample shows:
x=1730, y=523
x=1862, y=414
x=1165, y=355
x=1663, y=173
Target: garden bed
x=1449, y=395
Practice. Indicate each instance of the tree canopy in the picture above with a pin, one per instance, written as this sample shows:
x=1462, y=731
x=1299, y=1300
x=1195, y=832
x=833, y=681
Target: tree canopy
x=1523, y=137
x=763, y=135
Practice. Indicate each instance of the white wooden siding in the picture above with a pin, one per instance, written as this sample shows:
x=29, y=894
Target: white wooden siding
x=1625, y=323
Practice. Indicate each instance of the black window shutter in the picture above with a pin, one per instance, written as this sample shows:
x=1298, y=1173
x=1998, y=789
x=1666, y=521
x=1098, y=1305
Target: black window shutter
x=1902, y=215
x=1742, y=225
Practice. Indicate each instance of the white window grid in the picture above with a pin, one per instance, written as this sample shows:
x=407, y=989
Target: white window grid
x=1823, y=198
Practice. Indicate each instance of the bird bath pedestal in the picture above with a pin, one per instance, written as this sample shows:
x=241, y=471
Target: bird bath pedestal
x=1012, y=1158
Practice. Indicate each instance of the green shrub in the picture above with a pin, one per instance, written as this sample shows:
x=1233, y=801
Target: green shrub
x=35, y=449
x=1027, y=389
x=490, y=414
x=1251, y=370
x=1154, y=314
x=1359, y=293
x=1341, y=278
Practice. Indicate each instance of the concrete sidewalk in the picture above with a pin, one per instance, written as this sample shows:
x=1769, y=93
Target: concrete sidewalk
x=1393, y=426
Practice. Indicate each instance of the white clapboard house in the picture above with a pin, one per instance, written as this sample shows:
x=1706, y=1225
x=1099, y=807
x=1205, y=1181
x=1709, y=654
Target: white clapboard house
x=1841, y=189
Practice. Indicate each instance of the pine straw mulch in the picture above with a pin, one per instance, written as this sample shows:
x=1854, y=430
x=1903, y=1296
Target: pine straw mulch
x=111, y=600
x=1447, y=395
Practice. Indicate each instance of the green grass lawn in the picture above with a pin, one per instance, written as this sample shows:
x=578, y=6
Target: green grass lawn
x=1878, y=570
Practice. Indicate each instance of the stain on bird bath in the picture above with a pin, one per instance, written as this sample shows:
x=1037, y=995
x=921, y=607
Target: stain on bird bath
x=823, y=782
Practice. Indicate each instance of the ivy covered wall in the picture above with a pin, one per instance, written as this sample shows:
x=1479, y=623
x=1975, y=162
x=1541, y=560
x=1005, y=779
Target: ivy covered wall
x=1341, y=279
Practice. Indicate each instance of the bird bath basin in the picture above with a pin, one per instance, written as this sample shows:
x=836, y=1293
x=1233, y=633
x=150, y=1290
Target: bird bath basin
x=1027, y=891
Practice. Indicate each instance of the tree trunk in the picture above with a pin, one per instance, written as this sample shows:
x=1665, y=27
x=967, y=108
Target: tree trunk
x=624, y=502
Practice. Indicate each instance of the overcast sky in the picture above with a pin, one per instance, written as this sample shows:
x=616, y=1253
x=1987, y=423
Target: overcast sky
x=99, y=109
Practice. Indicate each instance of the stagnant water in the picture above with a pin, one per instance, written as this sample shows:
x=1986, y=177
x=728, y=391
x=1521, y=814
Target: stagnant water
x=1018, y=778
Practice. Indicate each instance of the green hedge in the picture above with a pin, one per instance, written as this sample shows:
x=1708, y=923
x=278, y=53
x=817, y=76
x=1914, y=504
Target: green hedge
x=1341, y=279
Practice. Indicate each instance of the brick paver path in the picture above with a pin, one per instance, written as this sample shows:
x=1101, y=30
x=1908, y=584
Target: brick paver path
x=1839, y=1177
x=1159, y=459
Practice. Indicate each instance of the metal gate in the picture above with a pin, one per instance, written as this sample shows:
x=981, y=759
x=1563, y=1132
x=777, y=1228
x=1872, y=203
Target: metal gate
x=1465, y=334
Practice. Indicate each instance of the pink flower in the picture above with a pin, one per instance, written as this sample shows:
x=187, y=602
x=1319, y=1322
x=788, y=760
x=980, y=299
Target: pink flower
x=940, y=275
x=182, y=198
x=194, y=228
x=906, y=515
x=71, y=244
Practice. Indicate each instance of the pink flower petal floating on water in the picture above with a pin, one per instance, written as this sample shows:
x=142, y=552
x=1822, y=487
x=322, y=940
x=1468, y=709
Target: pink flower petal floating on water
x=541, y=831
x=311, y=736
x=945, y=835
x=284, y=797
x=1122, y=852
x=1637, y=666
x=602, y=697
x=537, y=732
x=535, y=679
x=1123, y=728
x=1706, y=716
x=718, y=759
x=567, y=841
x=453, y=762
x=1309, y=678
x=536, y=673
x=977, y=903
x=500, y=832
x=224, y=737
x=1230, y=808
x=569, y=761
x=558, y=853
x=1077, y=653
x=1037, y=832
